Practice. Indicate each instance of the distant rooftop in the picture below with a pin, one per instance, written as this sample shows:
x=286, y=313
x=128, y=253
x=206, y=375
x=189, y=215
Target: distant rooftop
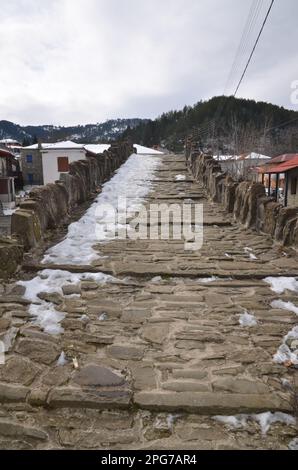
x=245, y=156
x=146, y=151
x=67, y=144
x=283, y=158
x=282, y=167
x=97, y=148
x=9, y=142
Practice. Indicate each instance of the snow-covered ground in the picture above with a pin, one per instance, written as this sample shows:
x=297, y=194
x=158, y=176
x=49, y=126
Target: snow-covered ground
x=51, y=281
x=288, y=351
x=132, y=181
x=97, y=148
x=146, y=151
x=265, y=420
x=280, y=284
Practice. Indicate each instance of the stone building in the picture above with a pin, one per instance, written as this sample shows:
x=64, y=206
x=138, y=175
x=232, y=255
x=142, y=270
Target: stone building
x=44, y=163
x=31, y=162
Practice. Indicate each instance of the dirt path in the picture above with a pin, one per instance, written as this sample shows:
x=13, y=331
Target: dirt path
x=158, y=343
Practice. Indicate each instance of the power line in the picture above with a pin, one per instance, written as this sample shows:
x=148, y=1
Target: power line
x=244, y=42
x=255, y=46
x=249, y=28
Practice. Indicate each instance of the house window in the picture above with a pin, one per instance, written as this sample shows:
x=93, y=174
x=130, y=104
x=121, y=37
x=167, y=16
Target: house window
x=29, y=158
x=30, y=178
x=63, y=164
x=294, y=186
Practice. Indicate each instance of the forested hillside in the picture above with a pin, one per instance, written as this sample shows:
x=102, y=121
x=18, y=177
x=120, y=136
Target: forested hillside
x=90, y=133
x=240, y=125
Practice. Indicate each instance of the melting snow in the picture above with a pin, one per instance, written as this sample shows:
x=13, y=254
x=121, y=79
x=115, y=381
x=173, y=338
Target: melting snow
x=236, y=422
x=294, y=444
x=50, y=281
x=208, y=280
x=180, y=178
x=103, y=317
x=156, y=279
x=284, y=353
x=289, y=306
x=265, y=420
x=132, y=181
x=62, y=361
x=280, y=284
x=247, y=319
x=146, y=151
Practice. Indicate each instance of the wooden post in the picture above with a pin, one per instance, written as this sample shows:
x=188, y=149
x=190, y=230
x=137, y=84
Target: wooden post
x=269, y=185
x=286, y=188
x=277, y=187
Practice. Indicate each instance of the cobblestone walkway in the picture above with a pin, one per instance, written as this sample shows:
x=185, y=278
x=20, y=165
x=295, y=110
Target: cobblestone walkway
x=155, y=356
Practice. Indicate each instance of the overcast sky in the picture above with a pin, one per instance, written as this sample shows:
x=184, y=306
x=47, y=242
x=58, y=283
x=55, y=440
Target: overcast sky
x=82, y=61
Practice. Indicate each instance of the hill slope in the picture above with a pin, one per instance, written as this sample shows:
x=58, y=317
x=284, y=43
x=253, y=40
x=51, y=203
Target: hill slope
x=242, y=125
x=91, y=133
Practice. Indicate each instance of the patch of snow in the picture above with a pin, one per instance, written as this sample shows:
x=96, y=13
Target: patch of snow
x=171, y=420
x=9, y=211
x=50, y=281
x=62, y=361
x=252, y=257
x=284, y=353
x=247, y=320
x=247, y=249
x=228, y=256
x=289, y=306
x=235, y=422
x=84, y=319
x=97, y=148
x=103, y=317
x=67, y=144
x=293, y=445
x=180, y=178
x=286, y=384
x=280, y=284
x=265, y=420
x=132, y=181
x=156, y=279
x=9, y=337
x=208, y=280
x=141, y=150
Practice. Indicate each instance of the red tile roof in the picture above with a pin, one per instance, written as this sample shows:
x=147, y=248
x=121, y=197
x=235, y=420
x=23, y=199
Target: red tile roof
x=282, y=158
x=5, y=153
x=283, y=167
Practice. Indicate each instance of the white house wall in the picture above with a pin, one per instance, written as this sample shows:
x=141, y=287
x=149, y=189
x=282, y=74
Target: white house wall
x=50, y=162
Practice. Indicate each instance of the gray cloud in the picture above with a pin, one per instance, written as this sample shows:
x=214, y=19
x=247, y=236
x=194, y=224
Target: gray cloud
x=79, y=61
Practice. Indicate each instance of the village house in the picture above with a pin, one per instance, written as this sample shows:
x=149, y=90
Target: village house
x=242, y=166
x=13, y=145
x=10, y=178
x=44, y=163
x=280, y=177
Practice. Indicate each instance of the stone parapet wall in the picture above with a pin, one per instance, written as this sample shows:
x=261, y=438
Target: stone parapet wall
x=11, y=255
x=246, y=200
x=49, y=206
